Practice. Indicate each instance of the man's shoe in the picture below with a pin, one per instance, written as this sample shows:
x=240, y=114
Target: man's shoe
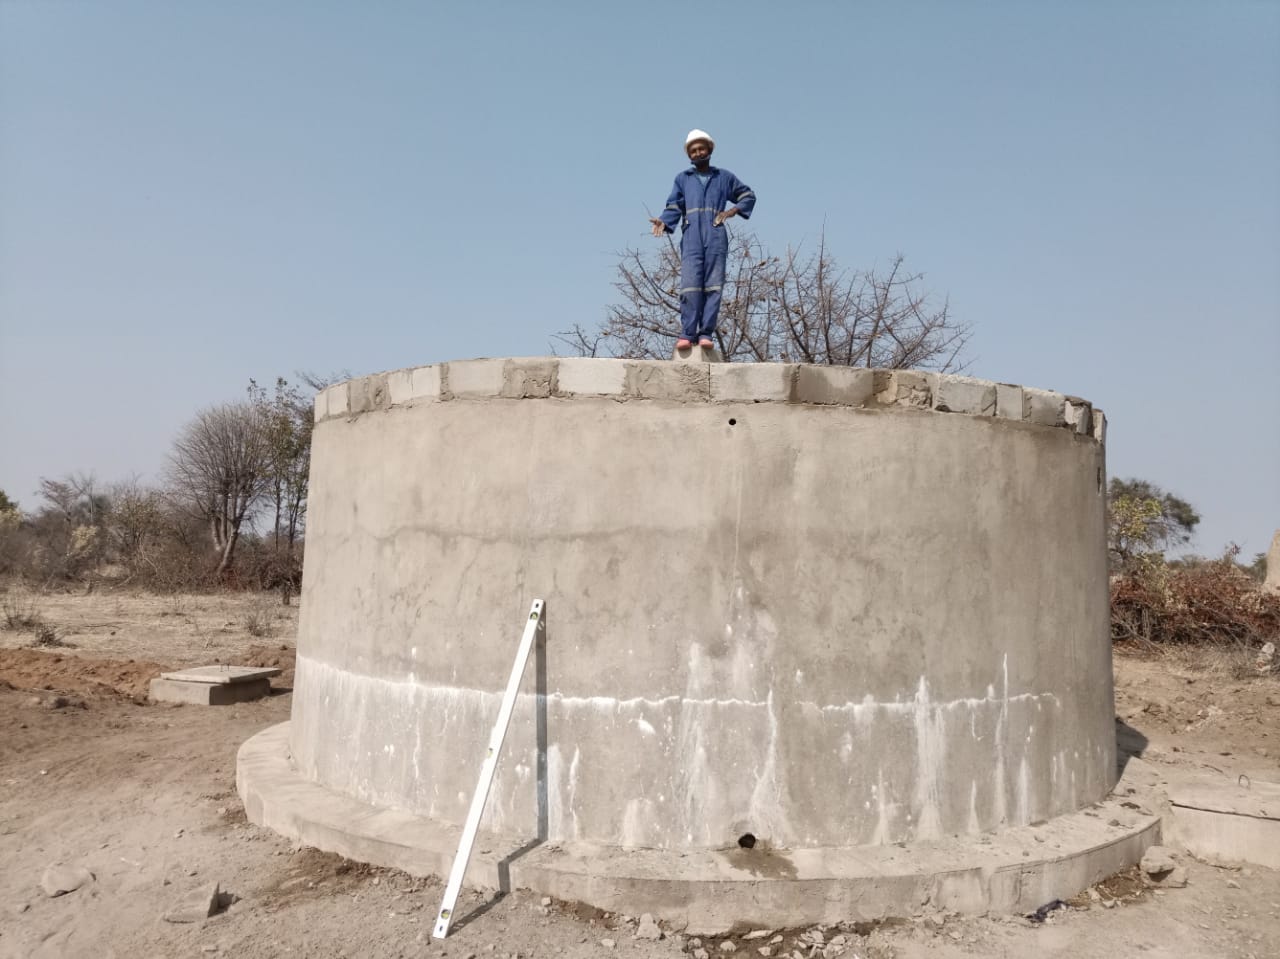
x=683, y=344
x=706, y=344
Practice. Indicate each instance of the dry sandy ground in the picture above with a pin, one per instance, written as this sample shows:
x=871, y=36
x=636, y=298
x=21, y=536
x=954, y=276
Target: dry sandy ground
x=144, y=797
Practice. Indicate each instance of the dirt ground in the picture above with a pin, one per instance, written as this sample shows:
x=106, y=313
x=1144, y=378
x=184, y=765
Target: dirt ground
x=143, y=796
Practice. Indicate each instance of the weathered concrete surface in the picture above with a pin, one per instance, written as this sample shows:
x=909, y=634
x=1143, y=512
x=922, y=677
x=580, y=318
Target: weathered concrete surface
x=709, y=891
x=1228, y=822
x=222, y=675
x=1273, y=563
x=196, y=693
x=827, y=615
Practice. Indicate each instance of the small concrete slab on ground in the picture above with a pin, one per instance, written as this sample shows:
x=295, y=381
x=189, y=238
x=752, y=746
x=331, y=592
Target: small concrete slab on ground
x=215, y=685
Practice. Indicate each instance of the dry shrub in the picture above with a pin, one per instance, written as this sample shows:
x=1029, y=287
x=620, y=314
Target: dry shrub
x=1213, y=603
x=21, y=614
x=260, y=621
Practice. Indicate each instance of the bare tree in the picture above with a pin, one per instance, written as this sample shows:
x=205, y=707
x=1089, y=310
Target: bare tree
x=798, y=307
x=135, y=523
x=220, y=467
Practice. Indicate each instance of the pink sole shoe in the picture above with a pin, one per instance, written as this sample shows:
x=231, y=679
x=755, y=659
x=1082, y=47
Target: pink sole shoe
x=706, y=344
x=683, y=344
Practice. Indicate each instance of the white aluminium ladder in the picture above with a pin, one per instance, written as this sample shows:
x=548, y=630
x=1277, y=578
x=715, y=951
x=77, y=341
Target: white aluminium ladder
x=487, y=769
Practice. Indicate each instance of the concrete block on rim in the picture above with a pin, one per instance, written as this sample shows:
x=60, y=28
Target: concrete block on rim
x=321, y=405
x=1099, y=426
x=369, y=393
x=475, y=378
x=1076, y=413
x=529, y=379
x=1010, y=402
x=418, y=383
x=660, y=380
x=906, y=388
x=1016, y=870
x=963, y=394
x=336, y=400
x=588, y=376
x=834, y=385
x=752, y=382
x=1045, y=407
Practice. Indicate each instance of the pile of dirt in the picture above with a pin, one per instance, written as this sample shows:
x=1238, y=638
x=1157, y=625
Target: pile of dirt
x=280, y=656
x=38, y=670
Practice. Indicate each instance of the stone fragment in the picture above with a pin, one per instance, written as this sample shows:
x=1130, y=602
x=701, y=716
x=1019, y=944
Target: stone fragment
x=648, y=928
x=758, y=934
x=200, y=903
x=700, y=954
x=609, y=943
x=546, y=900
x=765, y=951
x=1157, y=860
x=60, y=880
x=728, y=946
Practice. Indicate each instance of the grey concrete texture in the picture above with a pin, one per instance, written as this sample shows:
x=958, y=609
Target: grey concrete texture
x=222, y=674
x=711, y=891
x=1273, y=564
x=204, y=693
x=702, y=377
x=845, y=619
x=1227, y=822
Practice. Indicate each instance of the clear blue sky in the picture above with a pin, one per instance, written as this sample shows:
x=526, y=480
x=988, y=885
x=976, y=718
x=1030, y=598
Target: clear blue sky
x=192, y=194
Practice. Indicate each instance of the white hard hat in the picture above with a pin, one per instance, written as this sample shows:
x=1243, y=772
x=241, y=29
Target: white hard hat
x=698, y=135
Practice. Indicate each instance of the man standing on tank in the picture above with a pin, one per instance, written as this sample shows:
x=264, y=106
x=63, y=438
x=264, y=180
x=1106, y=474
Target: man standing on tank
x=697, y=203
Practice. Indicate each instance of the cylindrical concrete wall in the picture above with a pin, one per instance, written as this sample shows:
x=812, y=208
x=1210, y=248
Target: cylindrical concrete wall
x=828, y=607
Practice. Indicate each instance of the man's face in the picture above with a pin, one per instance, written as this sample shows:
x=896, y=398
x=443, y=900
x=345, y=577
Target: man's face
x=699, y=152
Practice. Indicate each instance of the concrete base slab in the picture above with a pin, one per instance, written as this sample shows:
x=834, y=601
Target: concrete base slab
x=1228, y=822
x=710, y=891
x=222, y=675
x=208, y=694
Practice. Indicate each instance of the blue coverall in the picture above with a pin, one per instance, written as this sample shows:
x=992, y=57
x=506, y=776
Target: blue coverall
x=703, y=246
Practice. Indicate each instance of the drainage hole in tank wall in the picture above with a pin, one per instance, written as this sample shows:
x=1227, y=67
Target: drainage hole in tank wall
x=732, y=421
x=1099, y=479
x=747, y=841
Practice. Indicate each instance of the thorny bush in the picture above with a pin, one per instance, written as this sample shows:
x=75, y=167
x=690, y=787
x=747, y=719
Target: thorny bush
x=1212, y=602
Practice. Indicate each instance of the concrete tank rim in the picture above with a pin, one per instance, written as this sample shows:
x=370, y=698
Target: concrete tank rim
x=702, y=383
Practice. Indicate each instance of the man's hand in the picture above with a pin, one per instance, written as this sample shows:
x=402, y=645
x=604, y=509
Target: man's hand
x=724, y=215
x=659, y=228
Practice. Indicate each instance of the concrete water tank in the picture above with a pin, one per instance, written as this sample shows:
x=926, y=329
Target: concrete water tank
x=828, y=610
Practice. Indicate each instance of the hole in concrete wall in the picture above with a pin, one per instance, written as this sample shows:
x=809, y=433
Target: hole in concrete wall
x=747, y=841
x=1099, y=479
x=732, y=421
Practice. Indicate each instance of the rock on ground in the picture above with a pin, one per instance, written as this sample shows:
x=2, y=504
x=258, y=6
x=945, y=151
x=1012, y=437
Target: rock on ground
x=200, y=903
x=60, y=880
